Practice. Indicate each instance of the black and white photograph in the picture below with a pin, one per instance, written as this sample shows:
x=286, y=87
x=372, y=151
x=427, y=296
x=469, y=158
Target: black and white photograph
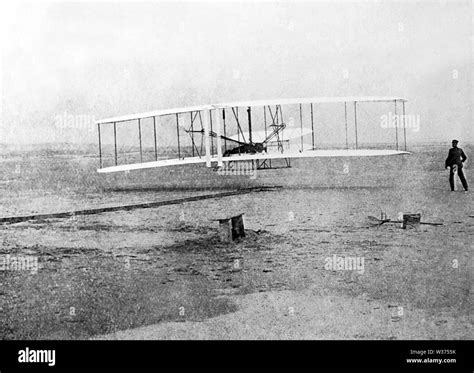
x=229, y=171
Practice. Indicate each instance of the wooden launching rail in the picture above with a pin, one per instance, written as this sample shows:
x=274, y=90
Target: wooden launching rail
x=69, y=214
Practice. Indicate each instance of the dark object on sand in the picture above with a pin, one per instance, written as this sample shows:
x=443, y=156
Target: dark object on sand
x=411, y=219
x=231, y=228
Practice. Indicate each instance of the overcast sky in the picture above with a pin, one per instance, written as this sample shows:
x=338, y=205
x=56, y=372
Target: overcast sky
x=94, y=60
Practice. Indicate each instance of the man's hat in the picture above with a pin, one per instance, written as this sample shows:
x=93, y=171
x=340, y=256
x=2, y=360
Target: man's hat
x=456, y=141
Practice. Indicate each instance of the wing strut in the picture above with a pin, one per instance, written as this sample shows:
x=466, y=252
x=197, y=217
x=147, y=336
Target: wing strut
x=177, y=131
x=312, y=127
x=301, y=125
x=218, y=138
x=225, y=135
x=154, y=135
x=404, y=126
x=355, y=123
x=140, y=139
x=345, y=121
x=249, y=116
x=100, y=146
x=115, y=142
x=396, y=127
x=207, y=143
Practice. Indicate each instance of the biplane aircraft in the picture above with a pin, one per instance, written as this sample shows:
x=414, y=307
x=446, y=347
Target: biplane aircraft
x=267, y=133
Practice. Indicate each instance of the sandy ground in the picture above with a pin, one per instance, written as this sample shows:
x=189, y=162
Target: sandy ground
x=162, y=273
x=308, y=314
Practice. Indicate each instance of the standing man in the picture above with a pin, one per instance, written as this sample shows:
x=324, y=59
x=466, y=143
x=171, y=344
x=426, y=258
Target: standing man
x=455, y=160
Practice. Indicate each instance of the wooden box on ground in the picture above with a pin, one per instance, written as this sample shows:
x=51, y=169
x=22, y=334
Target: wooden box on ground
x=231, y=228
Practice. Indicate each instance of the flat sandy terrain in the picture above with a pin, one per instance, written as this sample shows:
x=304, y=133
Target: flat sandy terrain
x=162, y=273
